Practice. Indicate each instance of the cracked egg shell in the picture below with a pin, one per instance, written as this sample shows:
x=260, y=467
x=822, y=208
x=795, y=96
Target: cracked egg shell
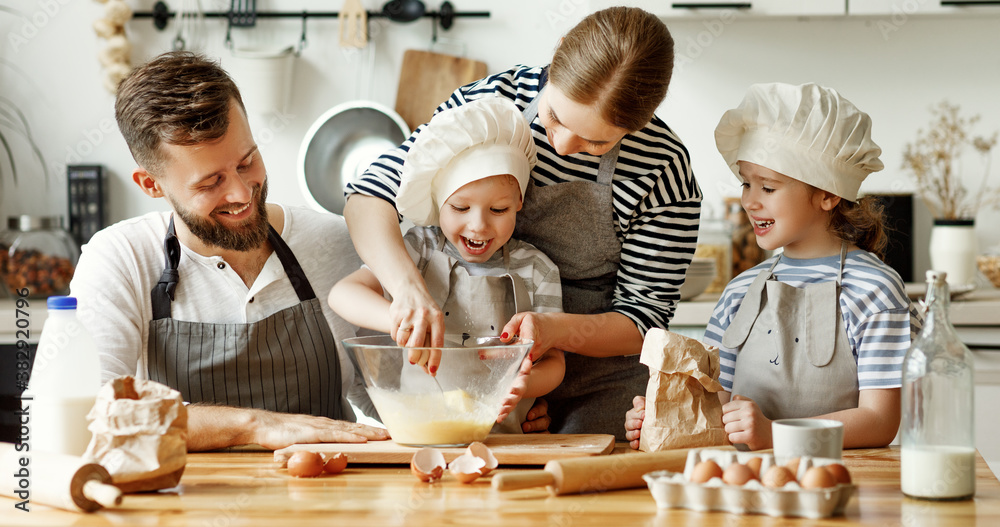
x=336, y=463
x=428, y=464
x=467, y=467
x=483, y=452
x=305, y=464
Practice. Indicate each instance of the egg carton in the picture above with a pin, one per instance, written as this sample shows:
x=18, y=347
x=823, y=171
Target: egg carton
x=675, y=490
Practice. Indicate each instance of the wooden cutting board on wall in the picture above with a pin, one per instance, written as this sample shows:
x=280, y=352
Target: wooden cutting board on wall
x=427, y=79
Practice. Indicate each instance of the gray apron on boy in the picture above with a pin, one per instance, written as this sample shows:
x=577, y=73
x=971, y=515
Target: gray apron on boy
x=286, y=362
x=479, y=306
x=573, y=223
x=794, y=358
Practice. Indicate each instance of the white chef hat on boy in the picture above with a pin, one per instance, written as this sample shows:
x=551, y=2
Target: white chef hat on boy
x=808, y=132
x=479, y=139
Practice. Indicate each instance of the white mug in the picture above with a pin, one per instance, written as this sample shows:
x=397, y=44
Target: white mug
x=807, y=437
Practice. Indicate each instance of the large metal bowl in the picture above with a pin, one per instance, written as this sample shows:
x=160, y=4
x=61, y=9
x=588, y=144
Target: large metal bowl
x=340, y=146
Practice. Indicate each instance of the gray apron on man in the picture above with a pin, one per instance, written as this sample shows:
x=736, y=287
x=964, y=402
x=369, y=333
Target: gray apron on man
x=794, y=357
x=286, y=362
x=573, y=223
x=478, y=306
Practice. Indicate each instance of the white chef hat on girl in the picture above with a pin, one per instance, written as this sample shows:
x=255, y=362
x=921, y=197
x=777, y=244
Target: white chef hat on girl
x=481, y=138
x=808, y=132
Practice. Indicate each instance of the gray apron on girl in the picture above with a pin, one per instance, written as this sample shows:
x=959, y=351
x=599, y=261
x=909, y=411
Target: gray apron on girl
x=286, y=362
x=794, y=358
x=574, y=224
x=478, y=306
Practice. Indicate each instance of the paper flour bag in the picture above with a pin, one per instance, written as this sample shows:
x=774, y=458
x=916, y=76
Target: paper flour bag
x=682, y=405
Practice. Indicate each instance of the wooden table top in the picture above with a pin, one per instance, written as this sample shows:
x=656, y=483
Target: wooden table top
x=248, y=488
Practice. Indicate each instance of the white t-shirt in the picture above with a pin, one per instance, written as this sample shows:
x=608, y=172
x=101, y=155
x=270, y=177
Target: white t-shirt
x=121, y=264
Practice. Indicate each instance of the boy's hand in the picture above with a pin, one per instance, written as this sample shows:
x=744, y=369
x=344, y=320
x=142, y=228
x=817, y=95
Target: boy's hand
x=538, y=419
x=633, y=421
x=516, y=390
x=746, y=424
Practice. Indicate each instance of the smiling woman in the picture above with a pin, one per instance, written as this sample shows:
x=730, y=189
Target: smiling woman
x=612, y=201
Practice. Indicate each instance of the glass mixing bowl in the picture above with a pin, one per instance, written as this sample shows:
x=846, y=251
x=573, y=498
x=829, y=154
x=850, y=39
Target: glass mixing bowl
x=457, y=406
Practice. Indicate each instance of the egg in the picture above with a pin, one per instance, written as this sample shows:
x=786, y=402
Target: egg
x=777, y=477
x=483, y=452
x=336, y=463
x=705, y=470
x=305, y=464
x=467, y=467
x=793, y=465
x=428, y=464
x=818, y=478
x=839, y=473
x=754, y=465
x=737, y=474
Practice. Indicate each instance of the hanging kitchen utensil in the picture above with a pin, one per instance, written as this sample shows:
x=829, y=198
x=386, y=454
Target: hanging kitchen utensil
x=353, y=25
x=426, y=79
x=403, y=10
x=242, y=13
x=190, y=26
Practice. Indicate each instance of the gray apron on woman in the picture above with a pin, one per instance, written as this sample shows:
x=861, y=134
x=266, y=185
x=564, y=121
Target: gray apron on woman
x=286, y=362
x=794, y=359
x=477, y=306
x=573, y=223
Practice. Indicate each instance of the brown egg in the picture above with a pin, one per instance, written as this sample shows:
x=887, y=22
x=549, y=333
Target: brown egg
x=467, y=467
x=839, y=473
x=737, y=474
x=336, y=463
x=793, y=465
x=818, y=478
x=428, y=464
x=705, y=470
x=777, y=476
x=483, y=452
x=754, y=465
x=305, y=464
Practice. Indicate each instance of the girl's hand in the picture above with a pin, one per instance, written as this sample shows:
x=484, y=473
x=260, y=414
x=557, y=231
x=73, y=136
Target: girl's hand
x=633, y=421
x=746, y=424
x=531, y=326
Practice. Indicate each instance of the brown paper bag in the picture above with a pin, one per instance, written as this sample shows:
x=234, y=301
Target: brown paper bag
x=682, y=407
x=140, y=434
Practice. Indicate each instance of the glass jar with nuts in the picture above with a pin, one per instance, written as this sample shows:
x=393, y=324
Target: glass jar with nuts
x=40, y=256
x=989, y=265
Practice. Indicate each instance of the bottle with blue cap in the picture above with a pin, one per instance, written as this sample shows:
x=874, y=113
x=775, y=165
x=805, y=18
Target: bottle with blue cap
x=65, y=378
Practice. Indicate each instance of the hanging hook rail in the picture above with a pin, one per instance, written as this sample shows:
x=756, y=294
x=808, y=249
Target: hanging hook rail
x=446, y=16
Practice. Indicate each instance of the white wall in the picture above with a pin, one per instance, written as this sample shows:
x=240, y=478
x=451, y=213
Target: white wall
x=894, y=75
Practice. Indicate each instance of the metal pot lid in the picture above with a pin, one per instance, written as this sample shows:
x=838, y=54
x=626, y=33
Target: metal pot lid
x=339, y=147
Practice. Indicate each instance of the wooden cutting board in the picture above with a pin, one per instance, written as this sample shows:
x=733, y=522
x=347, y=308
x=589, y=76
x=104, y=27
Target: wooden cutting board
x=509, y=449
x=427, y=79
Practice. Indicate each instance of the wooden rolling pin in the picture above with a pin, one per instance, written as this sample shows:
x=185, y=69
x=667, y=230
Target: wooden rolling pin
x=594, y=473
x=56, y=480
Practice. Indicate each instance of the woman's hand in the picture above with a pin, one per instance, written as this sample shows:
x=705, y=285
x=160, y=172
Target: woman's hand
x=746, y=424
x=633, y=421
x=532, y=326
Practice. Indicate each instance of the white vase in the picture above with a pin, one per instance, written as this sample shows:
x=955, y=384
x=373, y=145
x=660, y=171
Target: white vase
x=953, y=249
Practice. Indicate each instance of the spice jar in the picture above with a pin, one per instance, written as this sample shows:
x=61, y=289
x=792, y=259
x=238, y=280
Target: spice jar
x=41, y=256
x=715, y=241
x=746, y=252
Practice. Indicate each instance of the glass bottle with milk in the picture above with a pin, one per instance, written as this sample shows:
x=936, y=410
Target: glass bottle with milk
x=938, y=436
x=65, y=378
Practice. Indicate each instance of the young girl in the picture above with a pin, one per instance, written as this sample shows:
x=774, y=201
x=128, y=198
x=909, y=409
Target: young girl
x=462, y=186
x=612, y=202
x=819, y=330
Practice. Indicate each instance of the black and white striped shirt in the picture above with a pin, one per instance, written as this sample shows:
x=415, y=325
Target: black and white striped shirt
x=656, y=199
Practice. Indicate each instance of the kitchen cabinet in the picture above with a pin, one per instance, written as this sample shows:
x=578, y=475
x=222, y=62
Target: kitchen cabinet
x=922, y=7
x=729, y=8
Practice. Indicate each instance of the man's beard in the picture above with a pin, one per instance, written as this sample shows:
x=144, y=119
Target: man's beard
x=245, y=237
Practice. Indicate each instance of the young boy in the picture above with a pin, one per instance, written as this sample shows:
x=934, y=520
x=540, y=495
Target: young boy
x=462, y=185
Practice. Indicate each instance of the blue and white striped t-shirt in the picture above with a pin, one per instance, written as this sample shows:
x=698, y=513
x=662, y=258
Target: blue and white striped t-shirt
x=656, y=199
x=879, y=318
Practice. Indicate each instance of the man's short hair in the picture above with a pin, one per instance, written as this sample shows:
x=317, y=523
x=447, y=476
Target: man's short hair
x=179, y=98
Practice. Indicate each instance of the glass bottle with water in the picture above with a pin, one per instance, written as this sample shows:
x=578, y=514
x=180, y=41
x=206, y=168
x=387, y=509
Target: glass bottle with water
x=65, y=378
x=938, y=436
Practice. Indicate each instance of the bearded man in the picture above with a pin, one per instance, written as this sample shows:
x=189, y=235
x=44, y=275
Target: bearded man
x=218, y=297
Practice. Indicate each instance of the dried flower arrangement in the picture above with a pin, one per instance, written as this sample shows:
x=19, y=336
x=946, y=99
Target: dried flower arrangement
x=935, y=158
